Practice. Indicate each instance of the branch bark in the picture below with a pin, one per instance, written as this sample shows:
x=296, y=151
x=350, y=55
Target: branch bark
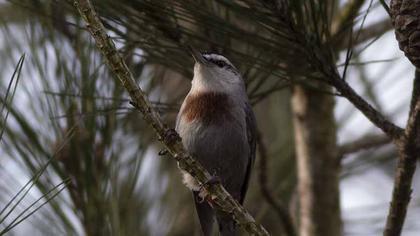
x=220, y=198
x=365, y=142
x=405, y=18
x=389, y=128
x=409, y=153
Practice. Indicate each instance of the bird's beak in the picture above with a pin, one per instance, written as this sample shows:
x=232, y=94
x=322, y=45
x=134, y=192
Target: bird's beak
x=198, y=58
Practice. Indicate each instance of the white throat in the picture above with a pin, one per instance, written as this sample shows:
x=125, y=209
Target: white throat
x=213, y=79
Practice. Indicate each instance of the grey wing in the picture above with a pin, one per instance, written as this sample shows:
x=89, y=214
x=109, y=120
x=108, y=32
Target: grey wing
x=251, y=128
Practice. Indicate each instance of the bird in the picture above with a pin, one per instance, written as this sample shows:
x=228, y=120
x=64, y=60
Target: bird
x=218, y=128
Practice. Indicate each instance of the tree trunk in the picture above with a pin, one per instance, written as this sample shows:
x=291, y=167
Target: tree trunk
x=317, y=164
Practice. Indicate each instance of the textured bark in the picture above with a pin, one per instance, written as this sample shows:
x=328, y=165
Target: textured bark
x=318, y=168
x=405, y=18
x=401, y=195
x=409, y=149
x=405, y=15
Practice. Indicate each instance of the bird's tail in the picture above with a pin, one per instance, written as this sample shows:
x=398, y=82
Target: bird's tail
x=205, y=215
x=227, y=226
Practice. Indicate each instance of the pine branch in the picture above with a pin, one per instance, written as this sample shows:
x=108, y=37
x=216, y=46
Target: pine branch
x=321, y=59
x=409, y=153
x=218, y=196
x=389, y=128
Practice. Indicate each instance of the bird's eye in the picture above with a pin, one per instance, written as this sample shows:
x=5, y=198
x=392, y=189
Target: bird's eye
x=220, y=63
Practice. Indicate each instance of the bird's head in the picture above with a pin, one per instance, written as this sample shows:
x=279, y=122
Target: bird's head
x=214, y=72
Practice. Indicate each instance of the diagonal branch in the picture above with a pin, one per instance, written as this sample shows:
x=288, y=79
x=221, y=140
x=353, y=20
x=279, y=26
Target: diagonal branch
x=219, y=197
x=390, y=129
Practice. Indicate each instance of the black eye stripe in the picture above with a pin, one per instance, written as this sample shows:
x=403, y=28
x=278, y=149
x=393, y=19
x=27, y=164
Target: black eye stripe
x=219, y=63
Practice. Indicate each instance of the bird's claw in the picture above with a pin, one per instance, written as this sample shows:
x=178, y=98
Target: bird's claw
x=214, y=179
x=203, y=193
x=163, y=152
x=132, y=103
x=171, y=136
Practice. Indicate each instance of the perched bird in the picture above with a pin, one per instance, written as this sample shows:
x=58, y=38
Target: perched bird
x=217, y=127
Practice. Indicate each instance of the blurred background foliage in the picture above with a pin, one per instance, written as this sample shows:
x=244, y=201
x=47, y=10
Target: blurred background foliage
x=71, y=124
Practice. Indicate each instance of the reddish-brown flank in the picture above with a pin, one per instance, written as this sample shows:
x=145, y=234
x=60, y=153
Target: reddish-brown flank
x=207, y=107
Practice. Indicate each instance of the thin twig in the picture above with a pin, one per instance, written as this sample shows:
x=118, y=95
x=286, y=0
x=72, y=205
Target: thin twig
x=385, y=6
x=389, y=128
x=365, y=142
x=220, y=198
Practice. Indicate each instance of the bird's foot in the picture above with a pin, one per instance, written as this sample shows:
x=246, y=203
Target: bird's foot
x=163, y=152
x=171, y=136
x=214, y=179
x=203, y=193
